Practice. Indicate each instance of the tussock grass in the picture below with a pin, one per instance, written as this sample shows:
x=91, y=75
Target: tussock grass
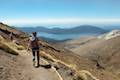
x=46, y=56
x=79, y=74
x=7, y=49
x=50, y=58
x=15, y=46
x=84, y=75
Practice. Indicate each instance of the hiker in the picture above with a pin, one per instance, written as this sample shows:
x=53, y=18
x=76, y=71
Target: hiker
x=34, y=45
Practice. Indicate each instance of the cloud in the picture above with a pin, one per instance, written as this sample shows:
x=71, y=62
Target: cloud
x=60, y=21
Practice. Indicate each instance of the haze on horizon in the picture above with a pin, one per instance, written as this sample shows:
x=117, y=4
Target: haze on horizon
x=59, y=12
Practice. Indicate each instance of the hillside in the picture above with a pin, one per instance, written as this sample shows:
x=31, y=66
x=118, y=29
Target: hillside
x=104, y=50
x=76, y=30
x=66, y=65
x=90, y=59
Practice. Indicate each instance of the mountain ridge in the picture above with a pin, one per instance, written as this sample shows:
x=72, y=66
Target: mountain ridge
x=75, y=30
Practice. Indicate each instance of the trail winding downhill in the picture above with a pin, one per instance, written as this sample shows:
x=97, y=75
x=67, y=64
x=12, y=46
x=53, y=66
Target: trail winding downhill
x=37, y=73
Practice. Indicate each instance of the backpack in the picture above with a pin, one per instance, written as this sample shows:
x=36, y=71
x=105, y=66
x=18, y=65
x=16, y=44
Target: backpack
x=33, y=42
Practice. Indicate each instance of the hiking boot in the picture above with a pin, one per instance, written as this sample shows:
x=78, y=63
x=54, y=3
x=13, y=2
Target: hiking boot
x=36, y=66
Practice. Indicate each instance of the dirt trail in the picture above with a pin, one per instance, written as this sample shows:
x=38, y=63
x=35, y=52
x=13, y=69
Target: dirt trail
x=37, y=73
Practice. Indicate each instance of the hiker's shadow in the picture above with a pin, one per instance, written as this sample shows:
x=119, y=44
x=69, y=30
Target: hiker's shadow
x=48, y=66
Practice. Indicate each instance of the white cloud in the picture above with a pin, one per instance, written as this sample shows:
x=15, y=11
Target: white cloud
x=60, y=21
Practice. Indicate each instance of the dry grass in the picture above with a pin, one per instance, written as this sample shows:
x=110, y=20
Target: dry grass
x=15, y=46
x=84, y=75
x=79, y=74
x=50, y=58
x=7, y=49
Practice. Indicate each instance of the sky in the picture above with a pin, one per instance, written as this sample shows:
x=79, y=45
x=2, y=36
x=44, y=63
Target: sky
x=59, y=12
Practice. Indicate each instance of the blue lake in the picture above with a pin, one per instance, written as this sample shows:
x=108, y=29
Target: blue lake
x=61, y=36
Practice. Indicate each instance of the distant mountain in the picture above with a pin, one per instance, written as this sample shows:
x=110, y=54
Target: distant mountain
x=111, y=27
x=79, y=29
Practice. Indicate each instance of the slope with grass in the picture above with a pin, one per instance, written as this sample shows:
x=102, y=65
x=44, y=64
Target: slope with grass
x=103, y=50
x=66, y=64
x=16, y=63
